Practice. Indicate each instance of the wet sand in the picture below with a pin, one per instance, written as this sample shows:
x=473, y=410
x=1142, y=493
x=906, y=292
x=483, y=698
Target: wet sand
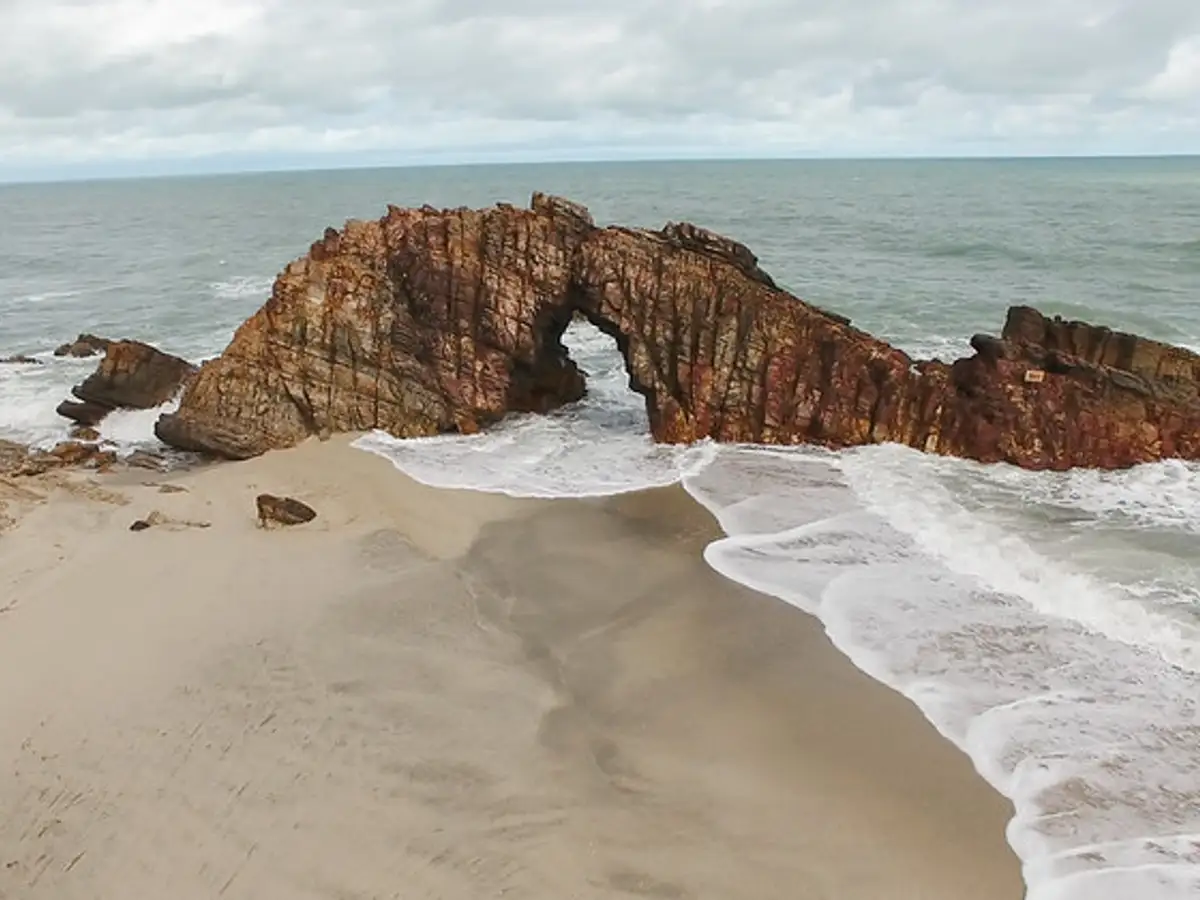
x=442, y=694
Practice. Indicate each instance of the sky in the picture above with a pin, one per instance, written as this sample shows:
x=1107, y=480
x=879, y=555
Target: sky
x=154, y=86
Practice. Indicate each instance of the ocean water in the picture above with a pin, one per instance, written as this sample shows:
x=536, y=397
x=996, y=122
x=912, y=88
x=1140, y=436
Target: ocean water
x=1048, y=624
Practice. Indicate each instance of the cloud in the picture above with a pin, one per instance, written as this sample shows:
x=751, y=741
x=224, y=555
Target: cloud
x=97, y=80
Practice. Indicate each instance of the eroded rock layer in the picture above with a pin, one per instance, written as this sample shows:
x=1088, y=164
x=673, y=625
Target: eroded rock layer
x=132, y=375
x=429, y=321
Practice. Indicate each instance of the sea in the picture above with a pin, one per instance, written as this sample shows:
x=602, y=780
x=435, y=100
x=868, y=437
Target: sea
x=1046, y=623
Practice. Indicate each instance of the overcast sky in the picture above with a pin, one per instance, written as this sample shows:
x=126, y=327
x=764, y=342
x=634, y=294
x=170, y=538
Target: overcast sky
x=97, y=85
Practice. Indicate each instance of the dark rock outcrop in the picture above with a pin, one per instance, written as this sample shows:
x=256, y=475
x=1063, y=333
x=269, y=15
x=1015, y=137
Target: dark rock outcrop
x=430, y=321
x=83, y=346
x=21, y=360
x=86, y=415
x=132, y=375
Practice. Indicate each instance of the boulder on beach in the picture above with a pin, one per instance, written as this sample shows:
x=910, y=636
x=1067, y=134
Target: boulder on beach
x=282, y=510
x=429, y=321
x=132, y=375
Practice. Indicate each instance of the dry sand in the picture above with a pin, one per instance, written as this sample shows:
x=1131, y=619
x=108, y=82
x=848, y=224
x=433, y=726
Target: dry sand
x=432, y=694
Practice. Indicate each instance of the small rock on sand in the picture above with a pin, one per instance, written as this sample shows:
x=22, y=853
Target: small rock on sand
x=282, y=510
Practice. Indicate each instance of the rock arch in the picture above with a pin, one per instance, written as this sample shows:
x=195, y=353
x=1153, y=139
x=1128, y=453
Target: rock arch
x=429, y=321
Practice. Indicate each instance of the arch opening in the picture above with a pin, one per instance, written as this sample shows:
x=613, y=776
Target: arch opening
x=582, y=367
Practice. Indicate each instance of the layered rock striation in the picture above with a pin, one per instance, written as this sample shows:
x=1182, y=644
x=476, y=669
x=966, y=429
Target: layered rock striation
x=429, y=321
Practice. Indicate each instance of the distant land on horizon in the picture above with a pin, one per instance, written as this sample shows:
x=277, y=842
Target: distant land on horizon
x=240, y=165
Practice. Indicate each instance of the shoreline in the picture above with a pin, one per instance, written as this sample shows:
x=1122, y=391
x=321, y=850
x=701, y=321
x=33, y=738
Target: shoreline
x=445, y=693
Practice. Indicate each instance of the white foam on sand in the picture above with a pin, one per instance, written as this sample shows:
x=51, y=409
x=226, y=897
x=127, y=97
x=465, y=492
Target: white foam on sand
x=1029, y=616
x=598, y=447
x=537, y=457
x=1092, y=735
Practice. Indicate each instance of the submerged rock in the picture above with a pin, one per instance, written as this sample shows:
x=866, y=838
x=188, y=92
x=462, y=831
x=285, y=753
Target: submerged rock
x=86, y=416
x=21, y=360
x=132, y=375
x=429, y=321
x=83, y=346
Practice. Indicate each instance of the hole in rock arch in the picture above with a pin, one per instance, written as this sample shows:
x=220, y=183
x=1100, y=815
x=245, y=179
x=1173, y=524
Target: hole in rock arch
x=598, y=444
x=610, y=401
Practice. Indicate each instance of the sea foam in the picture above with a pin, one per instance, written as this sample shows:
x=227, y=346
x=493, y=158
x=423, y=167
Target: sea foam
x=1030, y=668
x=595, y=448
x=1043, y=623
x=132, y=429
x=242, y=286
x=30, y=394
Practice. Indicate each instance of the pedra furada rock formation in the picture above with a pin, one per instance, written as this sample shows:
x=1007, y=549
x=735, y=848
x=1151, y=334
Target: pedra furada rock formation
x=430, y=321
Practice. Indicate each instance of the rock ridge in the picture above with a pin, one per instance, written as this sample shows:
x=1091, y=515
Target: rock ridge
x=428, y=321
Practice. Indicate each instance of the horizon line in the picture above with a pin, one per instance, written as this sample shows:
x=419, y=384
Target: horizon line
x=315, y=167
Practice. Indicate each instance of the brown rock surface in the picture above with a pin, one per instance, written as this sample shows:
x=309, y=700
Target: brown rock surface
x=66, y=455
x=1101, y=346
x=429, y=321
x=282, y=510
x=83, y=346
x=12, y=456
x=132, y=375
x=144, y=459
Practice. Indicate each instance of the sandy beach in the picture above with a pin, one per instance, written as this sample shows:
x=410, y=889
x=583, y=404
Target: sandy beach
x=435, y=694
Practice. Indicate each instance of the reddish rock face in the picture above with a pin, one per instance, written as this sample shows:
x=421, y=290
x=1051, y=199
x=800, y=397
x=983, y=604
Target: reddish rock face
x=430, y=321
x=1101, y=346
